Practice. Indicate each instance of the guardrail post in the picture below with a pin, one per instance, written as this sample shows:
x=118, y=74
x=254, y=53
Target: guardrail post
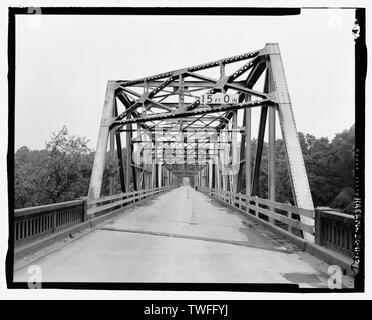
x=54, y=220
x=290, y=228
x=318, y=227
x=84, y=208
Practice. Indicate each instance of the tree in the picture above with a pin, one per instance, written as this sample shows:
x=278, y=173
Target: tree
x=329, y=166
x=58, y=173
x=26, y=163
x=63, y=167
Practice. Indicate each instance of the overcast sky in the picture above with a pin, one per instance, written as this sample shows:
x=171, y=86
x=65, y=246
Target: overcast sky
x=63, y=64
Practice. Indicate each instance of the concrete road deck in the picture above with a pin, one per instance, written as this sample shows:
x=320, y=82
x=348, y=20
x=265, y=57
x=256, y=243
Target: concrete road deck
x=180, y=236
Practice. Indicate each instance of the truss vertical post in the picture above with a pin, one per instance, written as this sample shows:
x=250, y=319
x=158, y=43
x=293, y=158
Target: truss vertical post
x=234, y=145
x=204, y=177
x=300, y=184
x=160, y=174
x=210, y=171
x=135, y=178
x=151, y=167
x=229, y=163
x=225, y=163
x=128, y=157
x=134, y=169
x=157, y=183
x=120, y=157
x=271, y=144
x=271, y=155
x=119, y=153
x=153, y=157
x=112, y=155
x=224, y=172
x=164, y=176
x=196, y=151
x=206, y=173
x=162, y=180
x=260, y=142
x=217, y=166
x=103, y=136
x=155, y=175
x=248, y=149
x=242, y=155
x=214, y=165
x=185, y=150
x=213, y=175
x=260, y=139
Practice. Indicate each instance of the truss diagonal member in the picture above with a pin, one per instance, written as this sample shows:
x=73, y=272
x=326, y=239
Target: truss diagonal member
x=255, y=73
x=161, y=86
x=201, y=77
x=252, y=78
x=133, y=106
x=198, y=67
x=191, y=123
x=246, y=90
x=196, y=103
x=243, y=69
x=128, y=105
x=158, y=104
x=217, y=108
x=146, y=97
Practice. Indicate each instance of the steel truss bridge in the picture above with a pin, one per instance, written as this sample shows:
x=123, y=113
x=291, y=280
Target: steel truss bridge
x=173, y=126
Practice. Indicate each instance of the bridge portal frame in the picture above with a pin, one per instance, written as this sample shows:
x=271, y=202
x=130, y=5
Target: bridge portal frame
x=147, y=109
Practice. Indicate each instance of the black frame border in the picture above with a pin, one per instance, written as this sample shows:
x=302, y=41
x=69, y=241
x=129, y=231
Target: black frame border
x=360, y=77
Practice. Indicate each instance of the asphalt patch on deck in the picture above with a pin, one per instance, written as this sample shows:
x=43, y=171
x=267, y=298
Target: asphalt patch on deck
x=189, y=237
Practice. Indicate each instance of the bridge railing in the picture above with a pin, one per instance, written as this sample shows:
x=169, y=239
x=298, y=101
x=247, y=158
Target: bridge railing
x=283, y=215
x=37, y=222
x=106, y=204
x=334, y=230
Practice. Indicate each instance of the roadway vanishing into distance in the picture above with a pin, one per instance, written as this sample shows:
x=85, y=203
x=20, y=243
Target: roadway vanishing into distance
x=180, y=236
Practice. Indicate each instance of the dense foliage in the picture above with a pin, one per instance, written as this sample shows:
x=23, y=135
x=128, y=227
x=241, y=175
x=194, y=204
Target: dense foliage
x=62, y=170
x=329, y=165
